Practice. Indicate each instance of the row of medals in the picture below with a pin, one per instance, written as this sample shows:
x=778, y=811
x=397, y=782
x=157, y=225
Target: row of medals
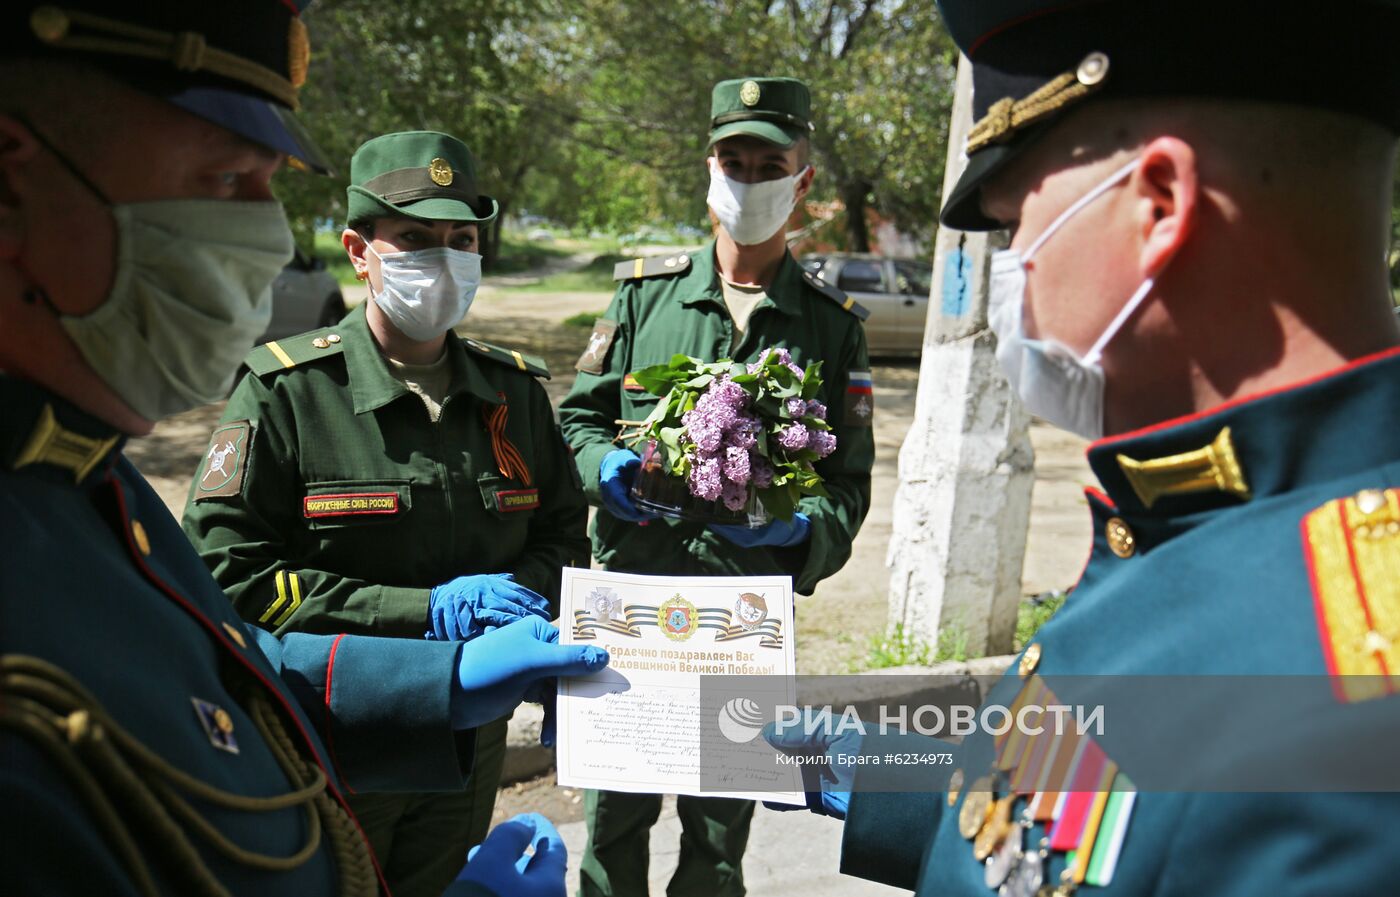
x=999, y=843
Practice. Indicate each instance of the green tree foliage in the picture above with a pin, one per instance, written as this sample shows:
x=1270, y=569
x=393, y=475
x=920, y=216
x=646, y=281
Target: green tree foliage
x=594, y=112
x=881, y=73
x=379, y=68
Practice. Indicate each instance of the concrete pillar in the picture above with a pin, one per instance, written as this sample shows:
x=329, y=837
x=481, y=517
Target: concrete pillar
x=967, y=466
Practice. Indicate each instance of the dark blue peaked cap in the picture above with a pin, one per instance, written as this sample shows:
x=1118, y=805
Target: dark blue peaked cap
x=1033, y=60
x=237, y=63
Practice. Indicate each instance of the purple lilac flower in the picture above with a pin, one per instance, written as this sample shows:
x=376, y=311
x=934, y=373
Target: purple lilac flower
x=736, y=465
x=822, y=442
x=793, y=438
x=744, y=433
x=762, y=471
x=795, y=407
x=705, y=434
x=726, y=392
x=816, y=409
x=734, y=496
x=706, y=480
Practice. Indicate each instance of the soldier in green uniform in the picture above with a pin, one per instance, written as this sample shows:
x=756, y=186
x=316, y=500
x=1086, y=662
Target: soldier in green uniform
x=386, y=477
x=151, y=743
x=735, y=298
x=1195, y=280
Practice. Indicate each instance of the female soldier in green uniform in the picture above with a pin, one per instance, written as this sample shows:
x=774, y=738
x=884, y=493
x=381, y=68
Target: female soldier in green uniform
x=385, y=477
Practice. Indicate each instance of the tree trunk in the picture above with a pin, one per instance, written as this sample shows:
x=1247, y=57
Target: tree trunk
x=490, y=240
x=857, y=232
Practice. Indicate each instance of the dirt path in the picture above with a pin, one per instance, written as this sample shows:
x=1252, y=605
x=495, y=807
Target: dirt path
x=838, y=623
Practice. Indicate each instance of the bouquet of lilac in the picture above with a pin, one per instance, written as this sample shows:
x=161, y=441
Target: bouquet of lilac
x=733, y=431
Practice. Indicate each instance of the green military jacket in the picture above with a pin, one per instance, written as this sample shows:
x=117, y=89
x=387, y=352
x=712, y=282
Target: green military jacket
x=329, y=501
x=670, y=305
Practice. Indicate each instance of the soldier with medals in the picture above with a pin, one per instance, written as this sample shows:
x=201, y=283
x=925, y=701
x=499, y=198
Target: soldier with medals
x=1198, y=223
x=397, y=479
x=152, y=743
x=739, y=296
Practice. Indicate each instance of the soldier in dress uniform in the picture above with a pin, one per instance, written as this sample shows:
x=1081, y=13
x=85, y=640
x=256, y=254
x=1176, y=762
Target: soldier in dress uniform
x=736, y=298
x=1197, y=194
x=151, y=742
x=392, y=478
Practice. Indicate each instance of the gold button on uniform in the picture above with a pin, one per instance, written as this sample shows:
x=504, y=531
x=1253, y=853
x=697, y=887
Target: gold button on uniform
x=320, y=342
x=1121, y=540
x=1030, y=660
x=440, y=170
x=138, y=533
x=955, y=786
x=1369, y=501
x=333, y=338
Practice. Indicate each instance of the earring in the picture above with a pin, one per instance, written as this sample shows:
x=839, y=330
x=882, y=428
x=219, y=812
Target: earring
x=362, y=275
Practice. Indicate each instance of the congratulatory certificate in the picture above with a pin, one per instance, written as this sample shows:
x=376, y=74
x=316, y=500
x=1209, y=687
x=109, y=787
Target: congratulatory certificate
x=645, y=724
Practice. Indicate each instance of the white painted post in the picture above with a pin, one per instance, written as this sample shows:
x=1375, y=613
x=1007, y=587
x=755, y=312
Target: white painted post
x=967, y=466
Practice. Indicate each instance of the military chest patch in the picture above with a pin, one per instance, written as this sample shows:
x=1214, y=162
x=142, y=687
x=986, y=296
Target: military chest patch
x=860, y=399
x=346, y=504
x=599, y=341
x=225, y=461
x=517, y=500
x=1353, y=554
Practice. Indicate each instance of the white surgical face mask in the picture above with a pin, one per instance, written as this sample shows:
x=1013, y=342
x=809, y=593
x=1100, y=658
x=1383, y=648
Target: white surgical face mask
x=1052, y=380
x=427, y=291
x=751, y=213
x=192, y=293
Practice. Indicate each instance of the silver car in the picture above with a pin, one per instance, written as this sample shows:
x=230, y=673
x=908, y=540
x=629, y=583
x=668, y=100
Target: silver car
x=305, y=296
x=895, y=290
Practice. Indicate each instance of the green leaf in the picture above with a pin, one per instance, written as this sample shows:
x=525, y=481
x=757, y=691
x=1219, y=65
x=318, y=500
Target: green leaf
x=778, y=501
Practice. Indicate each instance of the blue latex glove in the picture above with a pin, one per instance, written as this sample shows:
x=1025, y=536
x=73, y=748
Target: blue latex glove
x=828, y=785
x=499, y=669
x=775, y=533
x=470, y=605
x=615, y=476
x=501, y=865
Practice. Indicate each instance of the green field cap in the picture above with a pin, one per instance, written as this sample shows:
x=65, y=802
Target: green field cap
x=778, y=110
x=418, y=174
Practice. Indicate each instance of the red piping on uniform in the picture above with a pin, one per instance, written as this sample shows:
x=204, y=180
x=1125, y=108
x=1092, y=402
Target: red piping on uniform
x=219, y=637
x=1095, y=492
x=1361, y=591
x=330, y=743
x=1243, y=400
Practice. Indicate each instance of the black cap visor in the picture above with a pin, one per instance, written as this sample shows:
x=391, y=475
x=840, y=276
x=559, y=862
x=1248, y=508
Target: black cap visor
x=962, y=208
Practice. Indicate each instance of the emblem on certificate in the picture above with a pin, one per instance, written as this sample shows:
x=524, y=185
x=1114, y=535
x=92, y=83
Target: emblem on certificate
x=677, y=618
x=750, y=610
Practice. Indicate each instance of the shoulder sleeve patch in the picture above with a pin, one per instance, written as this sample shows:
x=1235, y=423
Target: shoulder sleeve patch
x=652, y=266
x=599, y=342
x=860, y=399
x=1352, y=548
x=519, y=361
x=835, y=295
x=282, y=355
x=225, y=463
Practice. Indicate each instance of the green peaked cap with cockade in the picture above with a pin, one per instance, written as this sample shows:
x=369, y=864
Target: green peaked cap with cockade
x=778, y=110
x=417, y=174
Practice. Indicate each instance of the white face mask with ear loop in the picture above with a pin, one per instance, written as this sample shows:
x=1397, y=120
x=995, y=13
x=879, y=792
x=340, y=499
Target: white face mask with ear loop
x=426, y=292
x=1052, y=380
x=751, y=213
